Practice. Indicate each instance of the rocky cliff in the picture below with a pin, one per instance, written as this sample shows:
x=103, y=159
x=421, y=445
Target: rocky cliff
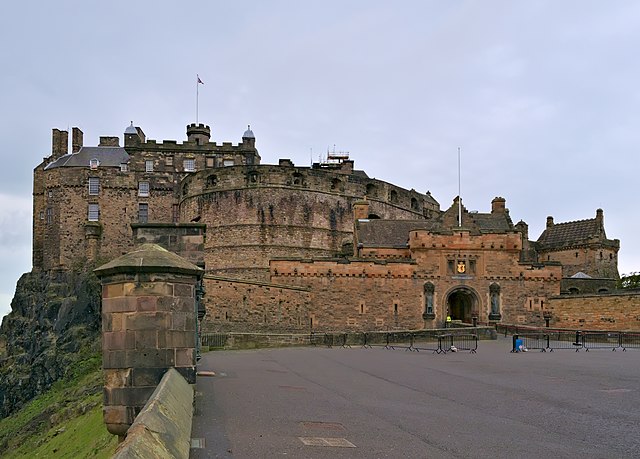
x=54, y=322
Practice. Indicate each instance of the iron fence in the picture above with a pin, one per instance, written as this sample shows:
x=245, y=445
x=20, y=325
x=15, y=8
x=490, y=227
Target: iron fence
x=214, y=340
x=551, y=340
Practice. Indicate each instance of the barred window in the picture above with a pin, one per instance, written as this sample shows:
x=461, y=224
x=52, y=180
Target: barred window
x=94, y=213
x=143, y=189
x=189, y=165
x=148, y=165
x=143, y=212
x=94, y=186
x=49, y=215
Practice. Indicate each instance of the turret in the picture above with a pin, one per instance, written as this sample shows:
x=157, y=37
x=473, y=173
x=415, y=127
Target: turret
x=248, y=139
x=198, y=133
x=133, y=135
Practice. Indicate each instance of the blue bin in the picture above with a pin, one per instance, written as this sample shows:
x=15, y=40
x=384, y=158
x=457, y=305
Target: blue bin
x=519, y=345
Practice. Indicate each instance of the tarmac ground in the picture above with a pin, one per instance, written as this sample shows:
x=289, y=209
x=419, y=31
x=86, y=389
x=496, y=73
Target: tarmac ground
x=316, y=402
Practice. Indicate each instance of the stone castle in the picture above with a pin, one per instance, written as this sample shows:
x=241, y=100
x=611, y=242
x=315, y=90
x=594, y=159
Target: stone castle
x=325, y=247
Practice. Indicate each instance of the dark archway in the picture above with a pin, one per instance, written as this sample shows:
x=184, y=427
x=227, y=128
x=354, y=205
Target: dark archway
x=462, y=304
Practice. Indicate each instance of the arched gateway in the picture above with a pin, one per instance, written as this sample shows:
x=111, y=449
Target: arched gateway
x=463, y=303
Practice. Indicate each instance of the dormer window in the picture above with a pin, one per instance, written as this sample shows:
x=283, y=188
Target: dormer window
x=124, y=167
x=94, y=163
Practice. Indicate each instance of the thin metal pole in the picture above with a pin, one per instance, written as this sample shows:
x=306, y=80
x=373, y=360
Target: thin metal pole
x=459, y=194
x=197, y=95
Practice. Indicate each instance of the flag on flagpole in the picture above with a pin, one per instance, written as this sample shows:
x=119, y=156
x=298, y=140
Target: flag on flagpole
x=199, y=80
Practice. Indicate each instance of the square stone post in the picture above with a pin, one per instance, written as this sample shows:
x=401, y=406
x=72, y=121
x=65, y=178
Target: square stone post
x=149, y=315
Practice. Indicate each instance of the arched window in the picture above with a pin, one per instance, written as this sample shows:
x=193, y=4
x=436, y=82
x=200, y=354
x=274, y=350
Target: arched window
x=414, y=204
x=393, y=196
x=574, y=290
x=298, y=179
x=336, y=185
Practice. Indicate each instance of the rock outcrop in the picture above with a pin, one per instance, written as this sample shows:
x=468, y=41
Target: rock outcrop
x=54, y=322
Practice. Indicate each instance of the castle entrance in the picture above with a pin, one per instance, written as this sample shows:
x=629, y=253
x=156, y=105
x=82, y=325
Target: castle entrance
x=462, y=304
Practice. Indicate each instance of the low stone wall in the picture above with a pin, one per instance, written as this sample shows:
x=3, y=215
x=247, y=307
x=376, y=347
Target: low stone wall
x=615, y=311
x=262, y=340
x=163, y=427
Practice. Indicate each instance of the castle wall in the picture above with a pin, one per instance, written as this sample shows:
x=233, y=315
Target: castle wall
x=597, y=261
x=254, y=214
x=615, y=311
x=240, y=305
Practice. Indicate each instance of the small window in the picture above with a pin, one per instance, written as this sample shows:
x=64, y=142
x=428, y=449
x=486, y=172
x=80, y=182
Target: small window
x=189, y=165
x=414, y=204
x=169, y=160
x=94, y=213
x=148, y=165
x=94, y=186
x=393, y=196
x=210, y=161
x=143, y=212
x=143, y=189
x=49, y=215
x=228, y=162
x=124, y=167
x=41, y=215
x=94, y=163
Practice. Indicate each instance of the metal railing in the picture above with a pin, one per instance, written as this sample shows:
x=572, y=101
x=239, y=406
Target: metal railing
x=214, y=340
x=552, y=340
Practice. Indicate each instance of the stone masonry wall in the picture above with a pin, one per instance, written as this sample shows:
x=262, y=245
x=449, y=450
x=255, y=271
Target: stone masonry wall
x=149, y=325
x=616, y=311
x=237, y=305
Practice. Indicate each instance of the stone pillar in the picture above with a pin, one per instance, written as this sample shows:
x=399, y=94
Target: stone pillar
x=148, y=326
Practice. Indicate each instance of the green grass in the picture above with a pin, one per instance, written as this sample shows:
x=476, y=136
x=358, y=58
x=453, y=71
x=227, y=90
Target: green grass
x=64, y=422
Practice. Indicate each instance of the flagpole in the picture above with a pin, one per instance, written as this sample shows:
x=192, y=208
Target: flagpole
x=197, y=95
x=459, y=196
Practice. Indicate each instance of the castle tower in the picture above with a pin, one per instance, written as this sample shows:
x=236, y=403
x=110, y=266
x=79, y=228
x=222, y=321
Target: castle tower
x=248, y=139
x=198, y=133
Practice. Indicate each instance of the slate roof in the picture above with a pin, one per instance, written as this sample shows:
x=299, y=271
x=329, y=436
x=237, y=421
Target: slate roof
x=389, y=233
x=107, y=157
x=571, y=233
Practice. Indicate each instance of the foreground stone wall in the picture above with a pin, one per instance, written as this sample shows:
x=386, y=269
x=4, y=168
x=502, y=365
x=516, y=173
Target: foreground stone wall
x=615, y=311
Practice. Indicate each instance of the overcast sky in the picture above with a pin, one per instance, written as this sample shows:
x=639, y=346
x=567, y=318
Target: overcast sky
x=542, y=97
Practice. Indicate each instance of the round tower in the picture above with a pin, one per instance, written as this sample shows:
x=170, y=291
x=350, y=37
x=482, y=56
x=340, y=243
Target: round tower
x=198, y=133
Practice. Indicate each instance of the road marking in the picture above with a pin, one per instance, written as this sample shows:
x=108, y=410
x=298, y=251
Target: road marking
x=327, y=441
x=296, y=388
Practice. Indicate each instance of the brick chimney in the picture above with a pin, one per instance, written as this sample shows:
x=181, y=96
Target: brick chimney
x=549, y=221
x=76, y=140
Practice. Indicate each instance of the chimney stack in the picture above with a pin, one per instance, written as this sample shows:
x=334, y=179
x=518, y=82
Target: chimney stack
x=498, y=205
x=549, y=221
x=59, y=143
x=76, y=140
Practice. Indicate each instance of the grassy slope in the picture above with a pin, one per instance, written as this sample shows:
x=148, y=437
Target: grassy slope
x=66, y=421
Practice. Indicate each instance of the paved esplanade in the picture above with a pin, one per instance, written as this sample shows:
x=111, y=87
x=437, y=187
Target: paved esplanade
x=396, y=404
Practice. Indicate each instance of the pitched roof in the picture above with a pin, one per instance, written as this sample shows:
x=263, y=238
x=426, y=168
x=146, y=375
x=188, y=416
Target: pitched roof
x=106, y=156
x=571, y=233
